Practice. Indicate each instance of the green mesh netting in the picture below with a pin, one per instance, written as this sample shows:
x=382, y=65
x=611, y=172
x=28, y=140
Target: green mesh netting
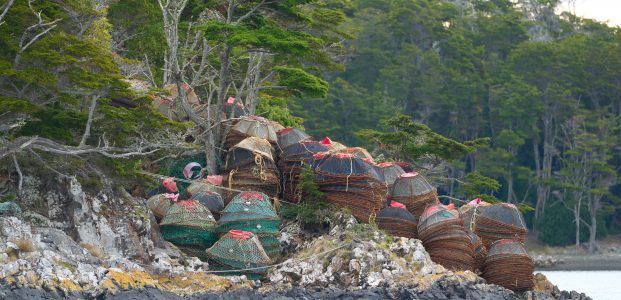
x=10, y=209
x=270, y=244
x=253, y=212
x=248, y=206
x=239, y=250
x=189, y=223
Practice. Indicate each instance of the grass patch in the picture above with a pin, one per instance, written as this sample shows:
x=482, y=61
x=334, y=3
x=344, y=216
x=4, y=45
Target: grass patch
x=92, y=249
x=25, y=245
x=361, y=232
x=66, y=265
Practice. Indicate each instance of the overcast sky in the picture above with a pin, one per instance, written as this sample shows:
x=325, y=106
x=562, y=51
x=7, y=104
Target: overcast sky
x=601, y=10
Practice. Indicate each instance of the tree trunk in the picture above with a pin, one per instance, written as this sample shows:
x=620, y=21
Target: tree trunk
x=577, y=221
x=538, y=176
x=510, y=191
x=593, y=229
x=211, y=154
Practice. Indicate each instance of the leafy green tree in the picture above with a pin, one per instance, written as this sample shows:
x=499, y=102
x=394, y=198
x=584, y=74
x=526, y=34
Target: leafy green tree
x=57, y=81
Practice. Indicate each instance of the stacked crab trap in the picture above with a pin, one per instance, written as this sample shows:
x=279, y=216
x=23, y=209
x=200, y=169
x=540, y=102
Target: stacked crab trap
x=445, y=239
x=348, y=181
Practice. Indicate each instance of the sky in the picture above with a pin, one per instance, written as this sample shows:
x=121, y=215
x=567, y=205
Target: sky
x=601, y=10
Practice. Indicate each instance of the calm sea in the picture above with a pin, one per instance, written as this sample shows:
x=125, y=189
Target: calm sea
x=599, y=285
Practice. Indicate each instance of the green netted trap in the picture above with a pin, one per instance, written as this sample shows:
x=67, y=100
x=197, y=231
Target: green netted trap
x=253, y=212
x=248, y=206
x=10, y=209
x=238, y=250
x=189, y=223
x=270, y=244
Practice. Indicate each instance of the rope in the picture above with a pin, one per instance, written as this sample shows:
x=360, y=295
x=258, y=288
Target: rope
x=230, y=180
x=208, y=183
x=268, y=266
x=473, y=219
x=258, y=160
x=282, y=263
x=351, y=171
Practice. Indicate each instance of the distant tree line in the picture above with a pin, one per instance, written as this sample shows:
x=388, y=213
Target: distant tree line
x=544, y=87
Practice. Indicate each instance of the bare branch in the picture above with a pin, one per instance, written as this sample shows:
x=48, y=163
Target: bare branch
x=19, y=172
x=149, y=73
x=272, y=87
x=24, y=39
x=16, y=145
x=6, y=8
x=47, y=145
x=251, y=12
x=89, y=122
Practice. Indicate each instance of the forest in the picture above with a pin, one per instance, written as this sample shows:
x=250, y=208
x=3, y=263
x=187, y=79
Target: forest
x=507, y=100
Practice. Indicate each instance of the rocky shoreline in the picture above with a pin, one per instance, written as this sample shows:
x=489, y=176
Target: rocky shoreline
x=568, y=258
x=371, y=266
x=441, y=290
x=104, y=246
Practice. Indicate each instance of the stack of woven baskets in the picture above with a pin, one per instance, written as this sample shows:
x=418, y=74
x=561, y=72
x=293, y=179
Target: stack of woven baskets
x=293, y=159
x=250, y=126
x=445, y=239
x=508, y=265
x=348, y=181
x=240, y=253
x=290, y=136
x=250, y=166
x=480, y=252
x=396, y=220
x=390, y=172
x=413, y=190
x=498, y=221
x=189, y=225
x=212, y=200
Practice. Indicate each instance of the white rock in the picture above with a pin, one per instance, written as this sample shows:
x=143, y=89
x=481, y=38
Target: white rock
x=63, y=273
x=45, y=269
x=9, y=269
x=162, y=261
x=11, y=246
x=11, y=228
x=375, y=279
x=195, y=264
x=359, y=252
x=386, y=274
x=87, y=275
x=123, y=263
x=354, y=266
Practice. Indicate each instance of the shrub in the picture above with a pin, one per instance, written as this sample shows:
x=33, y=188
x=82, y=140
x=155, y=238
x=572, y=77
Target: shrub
x=25, y=245
x=313, y=211
x=92, y=249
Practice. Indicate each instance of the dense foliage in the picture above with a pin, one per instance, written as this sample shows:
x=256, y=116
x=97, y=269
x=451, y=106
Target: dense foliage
x=542, y=86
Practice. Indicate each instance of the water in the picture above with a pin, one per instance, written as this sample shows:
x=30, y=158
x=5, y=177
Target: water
x=599, y=285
